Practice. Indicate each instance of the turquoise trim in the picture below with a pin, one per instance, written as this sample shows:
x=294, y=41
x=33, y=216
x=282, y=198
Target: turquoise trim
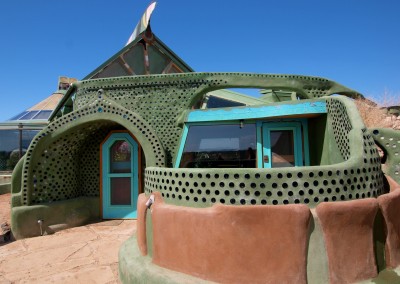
x=259, y=144
x=181, y=146
x=119, y=211
x=298, y=125
x=266, y=148
x=304, y=123
x=271, y=126
x=239, y=113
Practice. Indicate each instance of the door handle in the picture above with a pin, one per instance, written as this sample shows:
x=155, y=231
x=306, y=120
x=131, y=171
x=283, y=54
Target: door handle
x=266, y=159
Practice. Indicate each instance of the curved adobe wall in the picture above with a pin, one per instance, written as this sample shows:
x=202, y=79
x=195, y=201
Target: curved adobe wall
x=150, y=107
x=162, y=99
x=390, y=208
x=358, y=176
x=389, y=141
x=236, y=244
x=205, y=187
x=59, y=178
x=62, y=162
x=348, y=232
x=232, y=244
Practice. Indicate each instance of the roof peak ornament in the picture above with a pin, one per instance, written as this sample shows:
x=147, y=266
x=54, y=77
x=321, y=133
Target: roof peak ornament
x=143, y=23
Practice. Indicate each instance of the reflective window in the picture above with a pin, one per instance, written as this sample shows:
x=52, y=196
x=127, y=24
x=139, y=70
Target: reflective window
x=29, y=115
x=220, y=146
x=43, y=114
x=9, y=149
x=282, y=148
x=19, y=115
x=32, y=115
x=27, y=137
x=120, y=157
x=282, y=144
x=215, y=102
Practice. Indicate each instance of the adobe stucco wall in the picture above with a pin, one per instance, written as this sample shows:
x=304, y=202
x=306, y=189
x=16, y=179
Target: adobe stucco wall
x=348, y=233
x=271, y=244
x=390, y=208
x=233, y=244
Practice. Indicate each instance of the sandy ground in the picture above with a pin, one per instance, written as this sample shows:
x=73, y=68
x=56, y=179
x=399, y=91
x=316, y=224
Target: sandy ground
x=87, y=254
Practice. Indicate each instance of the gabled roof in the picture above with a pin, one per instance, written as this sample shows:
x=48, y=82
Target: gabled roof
x=145, y=55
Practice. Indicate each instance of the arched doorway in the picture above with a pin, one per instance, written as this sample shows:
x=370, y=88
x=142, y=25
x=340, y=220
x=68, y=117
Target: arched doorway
x=120, y=176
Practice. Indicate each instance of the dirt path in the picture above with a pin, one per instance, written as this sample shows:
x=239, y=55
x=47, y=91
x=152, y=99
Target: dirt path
x=87, y=254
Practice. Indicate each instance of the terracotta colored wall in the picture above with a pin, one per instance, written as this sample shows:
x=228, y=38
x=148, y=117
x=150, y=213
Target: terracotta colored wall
x=141, y=224
x=233, y=244
x=348, y=233
x=392, y=183
x=390, y=208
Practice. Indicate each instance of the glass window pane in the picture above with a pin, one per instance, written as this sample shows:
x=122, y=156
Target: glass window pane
x=120, y=157
x=173, y=69
x=19, y=115
x=115, y=69
x=27, y=137
x=9, y=149
x=215, y=102
x=157, y=60
x=220, y=146
x=282, y=148
x=29, y=115
x=135, y=59
x=43, y=114
x=120, y=191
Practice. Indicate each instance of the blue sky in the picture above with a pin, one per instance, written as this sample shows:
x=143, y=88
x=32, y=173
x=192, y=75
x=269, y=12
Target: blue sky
x=356, y=43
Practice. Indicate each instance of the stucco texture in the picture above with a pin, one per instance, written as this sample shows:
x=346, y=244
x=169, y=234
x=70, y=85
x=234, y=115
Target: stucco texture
x=348, y=232
x=232, y=244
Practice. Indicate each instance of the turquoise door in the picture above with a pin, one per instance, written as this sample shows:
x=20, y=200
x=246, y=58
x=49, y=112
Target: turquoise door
x=282, y=145
x=119, y=176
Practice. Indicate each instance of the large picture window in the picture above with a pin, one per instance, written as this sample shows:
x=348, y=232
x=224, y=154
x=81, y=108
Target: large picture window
x=13, y=145
x=220, y=146
x=260, y=144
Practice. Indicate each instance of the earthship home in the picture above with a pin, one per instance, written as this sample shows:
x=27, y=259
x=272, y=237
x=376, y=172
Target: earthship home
x=285, y=188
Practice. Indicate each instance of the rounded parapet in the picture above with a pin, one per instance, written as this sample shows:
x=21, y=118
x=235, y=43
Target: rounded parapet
x=389, y=141
x=306, y=185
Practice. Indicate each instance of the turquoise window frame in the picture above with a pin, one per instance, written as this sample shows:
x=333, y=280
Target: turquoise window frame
x=300, y=125
x=182, y=145
x=186, y=131
x=262, y=112
x=267, y=128
x=119, y=211
x=259, y=143
x=259, y=115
